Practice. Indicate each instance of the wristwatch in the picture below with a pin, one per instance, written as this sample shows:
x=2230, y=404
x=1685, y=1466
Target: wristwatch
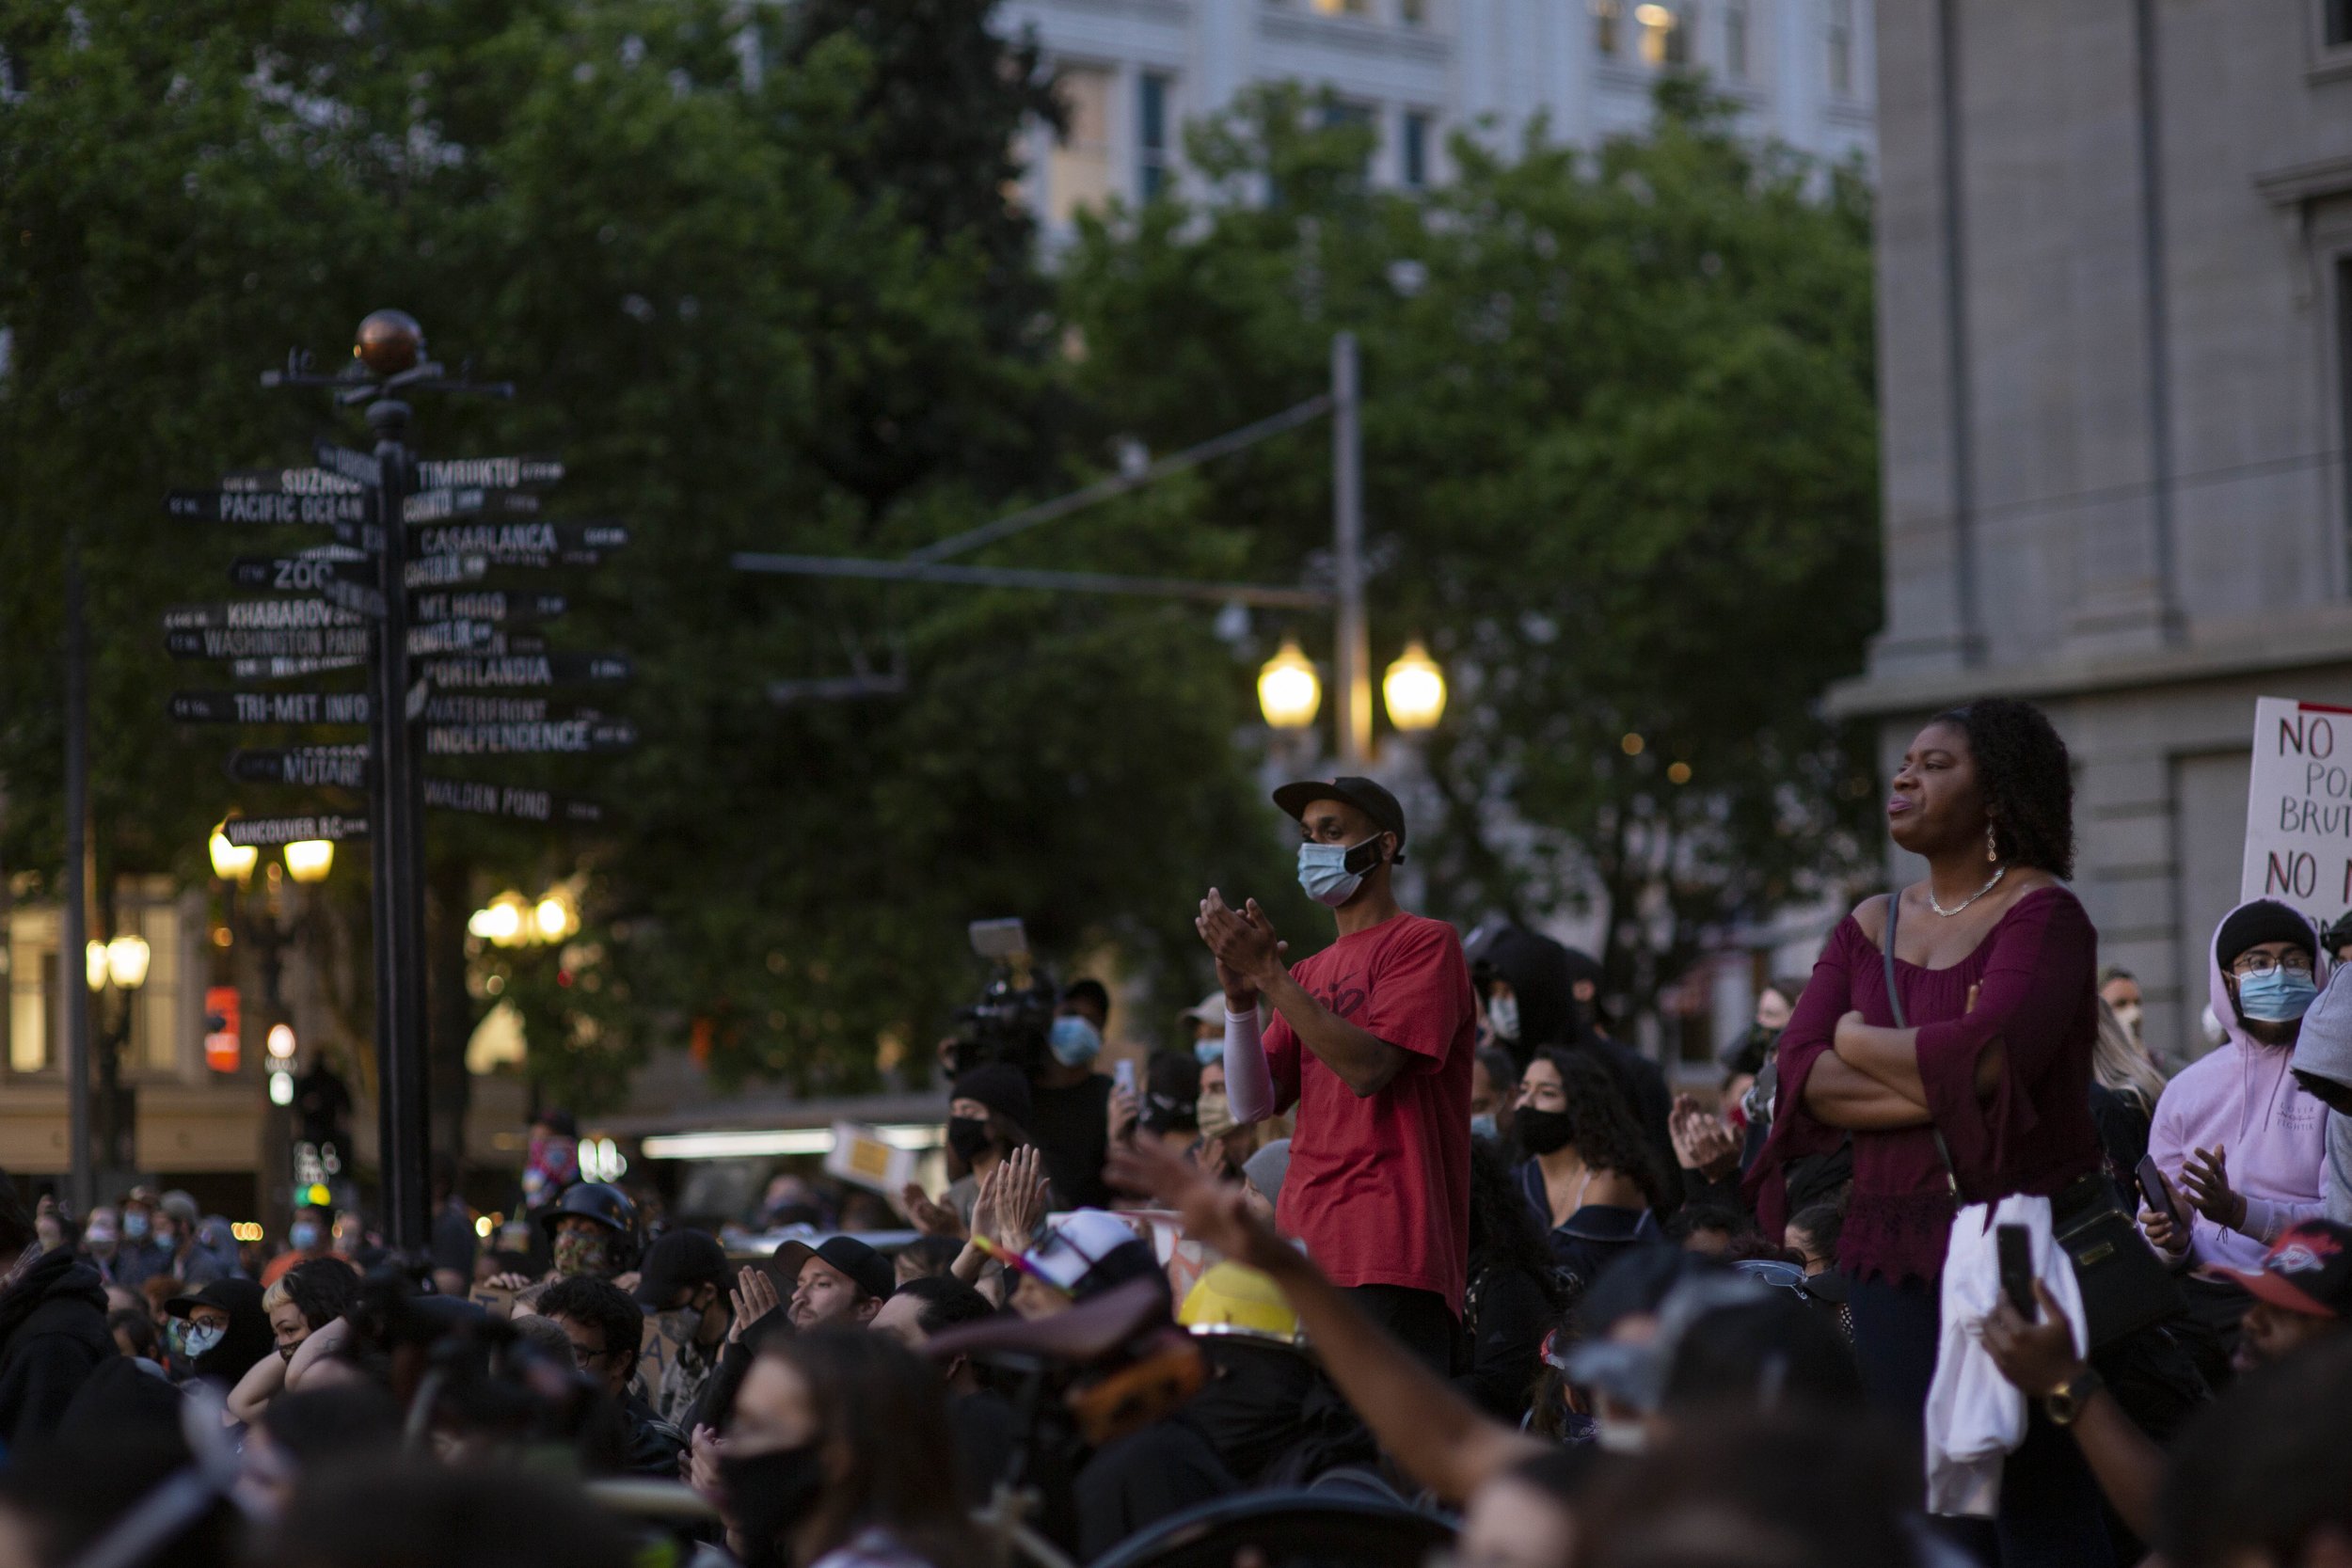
x=2065, y=1403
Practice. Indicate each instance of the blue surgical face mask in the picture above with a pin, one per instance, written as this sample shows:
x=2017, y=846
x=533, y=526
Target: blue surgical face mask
x=195, y=1339
x=2280, y=997
x=1210, y=1052
x=1331, y=873
x=1483, y=1126
x=135, y=1227
x=1074, y=1041
x=302, y=1236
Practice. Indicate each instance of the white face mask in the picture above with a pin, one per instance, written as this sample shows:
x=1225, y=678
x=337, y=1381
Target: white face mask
x=2128, y=1015
x=1504, y=1013
x=1331, y=873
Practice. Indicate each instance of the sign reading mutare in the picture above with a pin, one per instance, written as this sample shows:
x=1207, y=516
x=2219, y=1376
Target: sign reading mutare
x=2298, y=805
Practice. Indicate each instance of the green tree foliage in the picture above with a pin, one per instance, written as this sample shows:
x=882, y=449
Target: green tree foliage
x=753, y=303
x=1620, y=468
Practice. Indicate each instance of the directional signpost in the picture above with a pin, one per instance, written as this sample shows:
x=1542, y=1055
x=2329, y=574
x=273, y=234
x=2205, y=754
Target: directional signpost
x=394, y=584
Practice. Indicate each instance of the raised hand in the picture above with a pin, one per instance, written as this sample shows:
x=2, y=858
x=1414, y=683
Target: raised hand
x=1122, y=1114
x=1022, y=1199
x=1213, y=1212
x=1703, y=1142
x=754, y=1296
x=1245, y=945
x=928, y=1217
x=2206, y=1180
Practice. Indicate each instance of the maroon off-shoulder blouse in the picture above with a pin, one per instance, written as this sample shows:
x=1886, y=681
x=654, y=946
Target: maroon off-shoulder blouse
x=2038, y=971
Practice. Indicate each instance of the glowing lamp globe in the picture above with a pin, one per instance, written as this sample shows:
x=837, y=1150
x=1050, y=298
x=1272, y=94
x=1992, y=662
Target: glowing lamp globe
x=308, y=860
x=389, y=343
x=1288, y=691
x=1414, y=689
x=232, y=863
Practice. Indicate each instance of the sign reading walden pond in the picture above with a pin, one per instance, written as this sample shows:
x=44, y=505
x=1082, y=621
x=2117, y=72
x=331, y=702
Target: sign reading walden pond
x=2299, y=806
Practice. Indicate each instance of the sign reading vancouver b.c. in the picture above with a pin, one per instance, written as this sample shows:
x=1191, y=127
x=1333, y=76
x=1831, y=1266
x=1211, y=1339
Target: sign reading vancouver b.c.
x=2299, y=806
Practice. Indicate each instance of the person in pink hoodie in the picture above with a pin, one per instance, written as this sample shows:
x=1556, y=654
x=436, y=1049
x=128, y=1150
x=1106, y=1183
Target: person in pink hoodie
x=2240, y=1142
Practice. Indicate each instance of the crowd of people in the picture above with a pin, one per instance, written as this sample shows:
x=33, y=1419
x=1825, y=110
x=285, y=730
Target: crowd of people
x=1399, y=1254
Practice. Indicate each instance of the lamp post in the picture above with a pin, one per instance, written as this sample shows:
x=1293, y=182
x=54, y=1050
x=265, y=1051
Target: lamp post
x=121, y=965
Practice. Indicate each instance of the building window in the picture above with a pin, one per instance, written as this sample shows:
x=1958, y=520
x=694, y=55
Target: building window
x=1841, y=46
x=1665, y=34
x=2336, y=24
x=1608, y=26
x=1414, y=161
x=1736, y=41
x=1152, y=157
x=1078, y=169
x=34, y=998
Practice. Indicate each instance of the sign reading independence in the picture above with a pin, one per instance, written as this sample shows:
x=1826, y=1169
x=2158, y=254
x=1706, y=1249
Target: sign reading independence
x=564, y=737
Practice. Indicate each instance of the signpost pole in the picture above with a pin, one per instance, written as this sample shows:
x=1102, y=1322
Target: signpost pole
x=1351, y=642
x=72, y=983
x=397, y=850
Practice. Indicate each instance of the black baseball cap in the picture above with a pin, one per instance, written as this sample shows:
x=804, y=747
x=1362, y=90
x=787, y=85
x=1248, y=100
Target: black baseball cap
x=1365, y=794
x=680, y=1259
x=2307, y=1270
x=868, y=1270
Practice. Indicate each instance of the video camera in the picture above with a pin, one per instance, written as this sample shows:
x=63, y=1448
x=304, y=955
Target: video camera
x=1010, y=1021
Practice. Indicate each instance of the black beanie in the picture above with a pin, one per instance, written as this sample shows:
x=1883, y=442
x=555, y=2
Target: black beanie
x=2264, y=920
x=1000, y=1087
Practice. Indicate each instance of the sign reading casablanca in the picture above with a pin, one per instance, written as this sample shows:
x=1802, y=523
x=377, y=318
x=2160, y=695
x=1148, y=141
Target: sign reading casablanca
x=2299, y=806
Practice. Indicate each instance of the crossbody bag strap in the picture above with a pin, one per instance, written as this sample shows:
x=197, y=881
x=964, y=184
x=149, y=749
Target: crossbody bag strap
x=1894, y=1001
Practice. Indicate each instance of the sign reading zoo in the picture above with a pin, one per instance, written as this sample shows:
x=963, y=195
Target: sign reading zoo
x=2299, y=806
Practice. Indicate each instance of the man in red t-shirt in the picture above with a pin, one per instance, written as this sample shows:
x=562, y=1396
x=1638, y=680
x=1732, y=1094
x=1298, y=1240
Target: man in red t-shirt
x=1371, y=1040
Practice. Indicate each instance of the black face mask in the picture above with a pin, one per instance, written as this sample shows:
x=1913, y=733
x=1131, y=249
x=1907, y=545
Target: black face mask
x=969, y=1137
x=1542, y=1132
x=769, y=1492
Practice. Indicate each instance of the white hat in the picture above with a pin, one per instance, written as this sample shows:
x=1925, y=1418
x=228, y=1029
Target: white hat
x=1211, y=1009
x=1078, y=1241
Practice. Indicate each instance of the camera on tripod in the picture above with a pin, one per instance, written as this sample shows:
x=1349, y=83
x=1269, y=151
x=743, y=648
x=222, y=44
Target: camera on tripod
x=1008, y=1023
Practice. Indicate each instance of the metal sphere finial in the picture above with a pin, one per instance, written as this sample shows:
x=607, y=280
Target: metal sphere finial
x=389, y=343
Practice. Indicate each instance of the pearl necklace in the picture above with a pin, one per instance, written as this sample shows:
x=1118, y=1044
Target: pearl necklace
x=1992, y=882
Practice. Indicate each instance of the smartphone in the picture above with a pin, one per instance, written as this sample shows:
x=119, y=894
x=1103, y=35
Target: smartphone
x=2015, y=1246
x=2155, y=1194
x=1123, y=1074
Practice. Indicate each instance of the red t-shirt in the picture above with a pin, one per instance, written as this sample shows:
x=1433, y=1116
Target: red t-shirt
x=1378, y=1187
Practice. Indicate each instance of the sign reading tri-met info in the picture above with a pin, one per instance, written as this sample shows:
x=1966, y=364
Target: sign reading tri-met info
x=2299, y=806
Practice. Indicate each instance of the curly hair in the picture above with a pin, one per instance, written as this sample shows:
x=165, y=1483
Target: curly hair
x=2028, y=780
x=1601, y=1125
x=1502, y=1229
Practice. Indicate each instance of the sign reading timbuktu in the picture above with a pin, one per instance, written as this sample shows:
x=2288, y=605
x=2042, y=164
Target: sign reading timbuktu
x=2299, y=806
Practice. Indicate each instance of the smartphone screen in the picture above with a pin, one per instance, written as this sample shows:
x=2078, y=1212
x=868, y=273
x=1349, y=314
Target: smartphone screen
x=2015, y=1245
x=2153, y=1193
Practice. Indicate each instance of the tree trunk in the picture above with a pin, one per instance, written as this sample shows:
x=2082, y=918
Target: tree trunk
x=449, y=1010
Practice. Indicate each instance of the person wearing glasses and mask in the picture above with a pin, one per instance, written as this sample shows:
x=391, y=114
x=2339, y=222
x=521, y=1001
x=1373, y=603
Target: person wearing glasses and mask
x=605, y=1327
x=2240, y=1142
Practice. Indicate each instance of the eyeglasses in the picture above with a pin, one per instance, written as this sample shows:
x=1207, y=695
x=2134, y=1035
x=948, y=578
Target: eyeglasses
x=584, y=1357
x=2252, y=964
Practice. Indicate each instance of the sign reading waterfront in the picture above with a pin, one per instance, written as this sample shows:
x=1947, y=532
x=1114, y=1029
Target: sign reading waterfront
x=2299, y=806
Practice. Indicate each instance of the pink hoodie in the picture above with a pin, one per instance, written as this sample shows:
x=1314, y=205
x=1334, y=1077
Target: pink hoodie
x=2239, y=1097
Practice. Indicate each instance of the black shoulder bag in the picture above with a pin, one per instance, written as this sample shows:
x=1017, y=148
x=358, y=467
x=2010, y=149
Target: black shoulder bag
x=2125, y=1284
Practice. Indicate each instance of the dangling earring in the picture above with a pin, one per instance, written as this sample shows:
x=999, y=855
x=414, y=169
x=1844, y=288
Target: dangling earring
x=1992, y=845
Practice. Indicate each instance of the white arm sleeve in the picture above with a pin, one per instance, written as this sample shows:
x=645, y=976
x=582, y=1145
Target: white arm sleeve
x=1248, y=1081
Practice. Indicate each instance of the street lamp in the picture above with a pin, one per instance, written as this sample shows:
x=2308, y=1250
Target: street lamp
x=232, y=863
x=1414, y=689
x=308, y=860
x=1288, y=691
x=502, y=921
x=122, y=964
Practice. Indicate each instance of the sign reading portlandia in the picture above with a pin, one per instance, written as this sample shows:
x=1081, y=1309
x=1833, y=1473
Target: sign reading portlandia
x=292, y=481
x=498, y=473
x=266, y=506
x=267, y=832
x=2299, y=806
x=511, y=671
x=269, y=708
x=434, y=506
x=565, y=736
x=490, y=604
x=258, y=615
x=502, y=540
x=248, y=642
x=487, y=799
x=343, y=766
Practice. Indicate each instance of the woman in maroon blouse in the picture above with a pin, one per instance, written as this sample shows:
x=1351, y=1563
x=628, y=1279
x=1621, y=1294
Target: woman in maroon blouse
x=1997, y=966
